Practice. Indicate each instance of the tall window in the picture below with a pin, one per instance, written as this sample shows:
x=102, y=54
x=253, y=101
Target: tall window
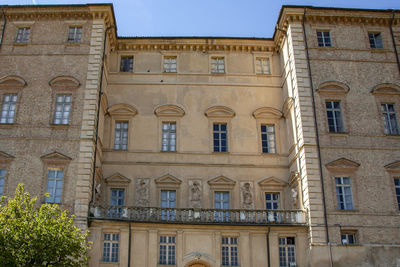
x=263, y=66
x=110, y=248
x=22, y=35
x=347, y=238
x=8, y=108
x=169, y=136
x=375, y=40
x=121, y=135
x=54, y=185
x=397, y=187
x=389, y=118
x=169, y=64
x=126, y=64
x=168, y=200
x=117, y=200
x=220, y=136
x=221, y=201
x=287, y=255
x=334, y=114
x=75, y=34
x=268, y=138
x=217, y=65
x=272, y=201
x=63, y=109
x=167, y=250
x=324, y=38
x=2, y=178
x=229, y=249
x=343, y=193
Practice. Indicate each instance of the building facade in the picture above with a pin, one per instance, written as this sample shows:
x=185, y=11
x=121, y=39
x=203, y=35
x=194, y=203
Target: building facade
x=207, y=151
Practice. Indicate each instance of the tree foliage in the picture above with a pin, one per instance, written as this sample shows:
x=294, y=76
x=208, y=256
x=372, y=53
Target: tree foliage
x=39, y=236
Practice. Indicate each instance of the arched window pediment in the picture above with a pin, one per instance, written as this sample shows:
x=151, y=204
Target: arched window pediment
x=169, y=111
x=64, y=82
x=386, y=89
x=333, y=88
x=12, y=81
x=342, y=164
x=267, y=113
x=122, y=110
x=220, y=112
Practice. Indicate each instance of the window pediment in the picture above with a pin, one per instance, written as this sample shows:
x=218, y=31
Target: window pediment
x=168, y=180
x=267, y=113
x=342, y=164
x=221, y=181
x=55, y=157
x=122, y=110
x=386, y=89
x=12, y=81
x=117, y=179
x=393, y=167
x=5, y=158
x=64, y=82
x=272, y=183
x=333, y=88
x=169, y=111
x=220, y=112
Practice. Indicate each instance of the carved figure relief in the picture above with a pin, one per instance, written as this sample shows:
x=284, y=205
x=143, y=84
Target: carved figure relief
x=195, y=194
x=294, y=198
x=247, y=195
x=142, y=192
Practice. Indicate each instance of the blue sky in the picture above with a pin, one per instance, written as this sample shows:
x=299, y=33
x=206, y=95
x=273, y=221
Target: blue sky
x=238, y=18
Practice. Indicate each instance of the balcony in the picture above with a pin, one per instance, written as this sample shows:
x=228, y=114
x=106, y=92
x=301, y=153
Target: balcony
x=199, y=216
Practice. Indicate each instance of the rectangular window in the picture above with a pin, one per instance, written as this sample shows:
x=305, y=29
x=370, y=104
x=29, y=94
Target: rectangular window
x=268, y=139
x=169, y=136
x=343, y=193
x=389, y=118
x=221, y=201
x=110, y=248
x=217, y=65
x=220, y=137
x=168, y=200
x=348, y=238
x=22, y=35
x=272, y=201
x=2, y=179
x=169, y=64
x=74, y=34
x=397, y=188
x=117, y=200
x=167, y=250
x=8, y=108
x=63, y=109
x=126, y=64
x=54, y=185
x=287, y=255
x=229, y=249
x=334, y=114
x=375, y=40
x=121, y=135
x=263, y=66
x=324, y=38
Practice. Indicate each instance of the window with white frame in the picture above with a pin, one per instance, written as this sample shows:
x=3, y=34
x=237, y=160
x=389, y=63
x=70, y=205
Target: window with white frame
x=268, y=138
x=2, y=180
x=389, y=119
x=8, y=108
x=217, y=65
x=121, y=135
x=324, y=39
x=344, y=193
x=229, y=251
x=287, y=252
x=334, y=115
x=168, y=200
x=126, y=64
x=347, y=237
x=375, y=40
x=167, y=250
x=117, y=201
x=168, y=136
x=22, y=35
x=221, y=202
x=263, y=66
x=170, y=64
x=110, y=248
x=75, y=34
x=220, y=137
x=63, y=109
x=397, y=188
x=272, y=201
x=54, y=186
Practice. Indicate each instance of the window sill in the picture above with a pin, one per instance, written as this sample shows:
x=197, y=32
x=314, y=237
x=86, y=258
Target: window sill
x=220, y=153
x=393, y=135
x=218, y=73
x=347, y=211
x=338, y=133
x=263, y=74
x=21, y=44
x=72, y=43
x=7, y=125
x=59, y=126
x=170, y=72
x=379, y=50
x=125, y=72
x=168, y=151
x=349, y=245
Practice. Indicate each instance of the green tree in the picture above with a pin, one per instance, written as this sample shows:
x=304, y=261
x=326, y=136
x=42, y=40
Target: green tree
x=39, y=236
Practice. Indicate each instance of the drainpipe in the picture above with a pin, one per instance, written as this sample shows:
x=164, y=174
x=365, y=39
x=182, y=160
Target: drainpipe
x=4, y=26
x=129, y=245
x=268, y=250
x=394, y=41
x=317, y=140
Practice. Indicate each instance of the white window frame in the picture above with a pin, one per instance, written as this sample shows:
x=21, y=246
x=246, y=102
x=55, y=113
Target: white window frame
x=397, y=190
x=325, y=40
x=169, y=136
x=218, y=65
x=122, y=67
x=273, y=201
x=386, y=116
x=75, y=34
x=62, y=110
x=341, y=186
x=58, y=184
x=348, y=237
x=117, y=202
x=123, y=144
x=287, y=252
x=270, y=139
x=337, y=116
x=168, y=64
x=3, y=173
x=219, y=141
x=9, y=105
x=23, y=35
x=111, y=247
x=375, y=40
x=230, y=247
x=263, y=65
x=167, y=243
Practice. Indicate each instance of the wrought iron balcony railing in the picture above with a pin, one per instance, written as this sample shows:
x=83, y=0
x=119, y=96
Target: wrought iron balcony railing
x=199, y=216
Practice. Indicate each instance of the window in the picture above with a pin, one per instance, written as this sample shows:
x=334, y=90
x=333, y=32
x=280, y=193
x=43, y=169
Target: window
x=167, y=250
x=343, y=193
x=217, y=65
x=169, y=64
x=397, y=188
x=117, y=199
x=389, y=118
x=54, y=185
x=121, y=135
x=8, y=108
x=22, y=35
x=221, y=201
x=263, y=66
x=268, y=138
x=324, y=38
x=334, y=114
x=220, y=137
x=287, y=255
x=168, y=200
x=2, y=179
x=272, y=201
x=347, y=238
x=74, y=34
x=126, y=64
x=110, y=248
x=229, y=249
x=169, y=136
x=62, y=110
x=375, y=40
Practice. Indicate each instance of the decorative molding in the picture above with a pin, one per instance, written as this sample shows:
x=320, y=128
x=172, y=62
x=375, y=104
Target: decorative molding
x=55, y=157
x=386, y=89
x=272, y=183
x=219, y=112
x=5, y=158
x=342, y=164
x=117, y=179
x=12, y=81
x=287, y=106
x=393, y=167
x=333, y=88
x=64, y=82
x=267, y=113
x=221, y=181
x=122, y=110
x=168, y=180
x=169, y=111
